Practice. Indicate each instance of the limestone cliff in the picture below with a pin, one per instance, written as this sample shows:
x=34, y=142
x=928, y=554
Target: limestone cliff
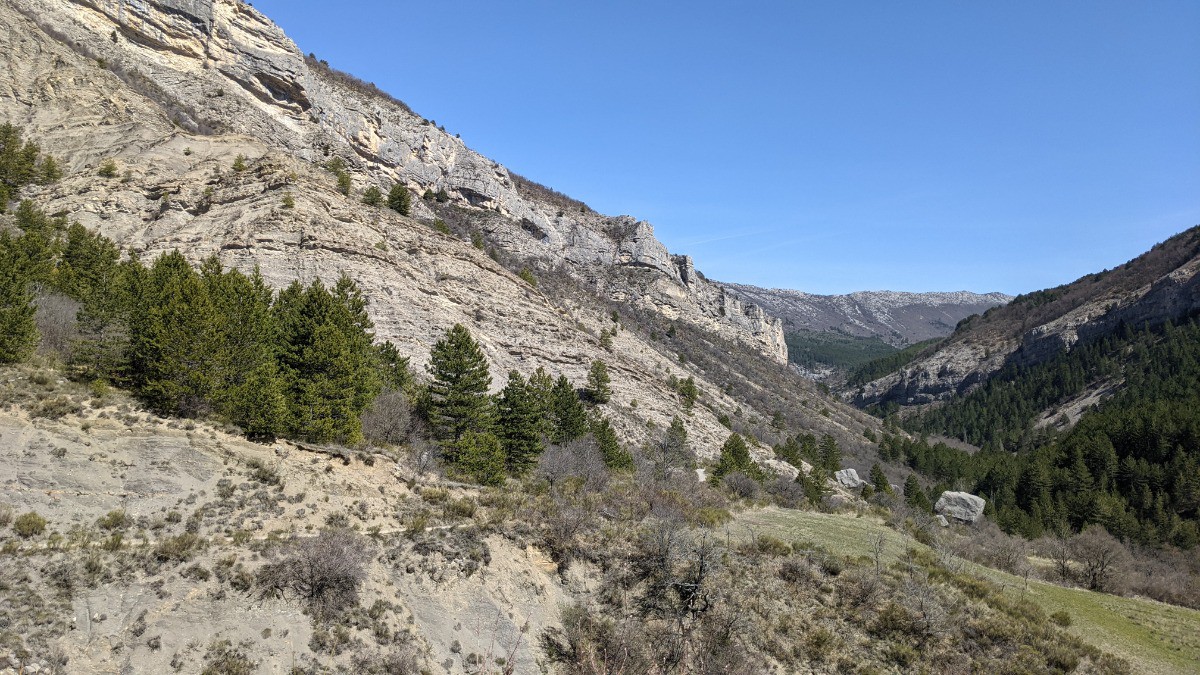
x=172, y=93
x=221, y=66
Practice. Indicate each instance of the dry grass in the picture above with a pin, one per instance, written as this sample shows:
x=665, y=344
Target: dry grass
x=1155, y=637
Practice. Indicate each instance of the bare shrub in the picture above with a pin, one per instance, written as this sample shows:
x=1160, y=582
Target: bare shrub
x=578, y=466
x=786, y=492
x=741, y=485
x=588, y=644
x=676, y=568
x=988, y=545
x=389, y=420
x=324, y=572
x=1099, y=555
x=1166, y=575
x=55, y=318
x=223, y=658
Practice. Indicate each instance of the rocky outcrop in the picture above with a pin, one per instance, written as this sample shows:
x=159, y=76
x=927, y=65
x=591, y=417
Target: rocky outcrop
x=220, y=65
x=849, y=478
x=894, y=317
x=961, y=506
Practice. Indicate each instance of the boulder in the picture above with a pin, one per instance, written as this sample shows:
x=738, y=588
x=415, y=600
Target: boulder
x=960, y=506
x=849, y=478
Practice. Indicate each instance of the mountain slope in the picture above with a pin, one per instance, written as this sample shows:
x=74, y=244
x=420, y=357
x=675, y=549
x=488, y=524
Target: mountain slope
x=1160, y=285
x=897, y=318
x=219, y=66
x=90, y=99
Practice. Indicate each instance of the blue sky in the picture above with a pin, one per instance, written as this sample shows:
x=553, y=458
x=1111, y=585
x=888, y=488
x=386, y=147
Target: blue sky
x=828, y=147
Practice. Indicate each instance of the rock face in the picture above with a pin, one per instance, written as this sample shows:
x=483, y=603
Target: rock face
x=896, y=318
x=1158, y=286
x=961, y=506
x=221, y=66
x=849, y=478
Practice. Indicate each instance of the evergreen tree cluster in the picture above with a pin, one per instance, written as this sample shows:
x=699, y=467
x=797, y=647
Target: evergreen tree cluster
x=486, y=437
x=1131, y=463
x=200, y=342
x=21, y=163
x=824, y=455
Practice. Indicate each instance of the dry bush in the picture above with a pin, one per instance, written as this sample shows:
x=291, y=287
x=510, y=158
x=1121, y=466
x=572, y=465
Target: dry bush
x=988, y=545
x=389, y=420
x=577, y=466
x=324, y=572
x=56, y=322
x=786, y=492
x=1100, y=556
x=741, y=485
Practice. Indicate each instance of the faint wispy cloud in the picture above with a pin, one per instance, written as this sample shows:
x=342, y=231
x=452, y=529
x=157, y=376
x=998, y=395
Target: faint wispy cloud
x=727, y=237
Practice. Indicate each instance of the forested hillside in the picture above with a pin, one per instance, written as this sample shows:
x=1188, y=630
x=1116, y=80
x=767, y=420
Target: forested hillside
x=1131, y=463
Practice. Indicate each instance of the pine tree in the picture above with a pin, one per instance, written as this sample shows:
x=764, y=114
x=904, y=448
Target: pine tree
x=247, y=388
x=399, y=200
x=616, y=457
x=327, y=361
x=458, y=390
x=568, y=413
x=735, y=457
x=18, y=332
x=879, y=479
x=479, y=456
x=688, y=393
x=518, y=425
x=831, y=454
x=372, y=196
x=174, y=339
x=914, y=496
x=598, y=390
x=393, y=368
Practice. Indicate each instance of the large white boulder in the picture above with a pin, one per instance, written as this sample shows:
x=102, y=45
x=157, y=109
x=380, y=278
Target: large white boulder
x=849, y=478
x=961, y=506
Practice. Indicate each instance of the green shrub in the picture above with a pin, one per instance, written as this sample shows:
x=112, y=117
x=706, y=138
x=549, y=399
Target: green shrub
x=239, y=163
x=441, y=226
x=177, y=549
x=114, y=520
x=901, y=654
x=526, y=275
x=56, y=408
x=461, y=508
x=399, y=200
x=108, y=169
x=1061, y=618
x=289, y=202
x=29, y=524
x=372, y=196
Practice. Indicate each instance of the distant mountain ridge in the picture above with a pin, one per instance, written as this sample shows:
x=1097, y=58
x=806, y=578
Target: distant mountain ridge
x=1160, y=285
x=898, y=318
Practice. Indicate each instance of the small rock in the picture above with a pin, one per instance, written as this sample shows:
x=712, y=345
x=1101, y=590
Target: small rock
x=942, y=521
